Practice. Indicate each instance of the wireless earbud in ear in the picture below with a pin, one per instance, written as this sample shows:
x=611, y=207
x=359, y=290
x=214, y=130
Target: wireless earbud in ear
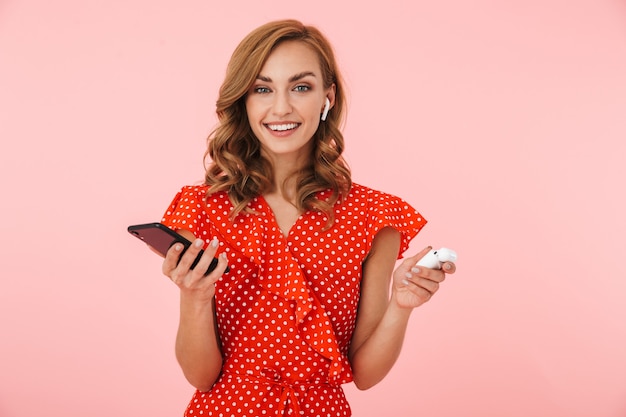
x=326, y=109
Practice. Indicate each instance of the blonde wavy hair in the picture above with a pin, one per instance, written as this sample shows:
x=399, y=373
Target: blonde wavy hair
x=236, y=165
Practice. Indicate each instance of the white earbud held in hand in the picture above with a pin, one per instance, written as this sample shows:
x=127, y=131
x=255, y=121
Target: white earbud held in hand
x=436, y=257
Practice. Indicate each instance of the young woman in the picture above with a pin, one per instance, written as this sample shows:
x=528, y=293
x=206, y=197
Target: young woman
x=307, y=304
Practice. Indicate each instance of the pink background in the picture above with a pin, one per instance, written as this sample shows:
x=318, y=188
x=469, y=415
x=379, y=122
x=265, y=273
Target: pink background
x=503, y=122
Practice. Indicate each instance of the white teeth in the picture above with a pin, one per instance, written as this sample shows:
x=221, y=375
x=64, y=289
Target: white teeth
x=284, y=127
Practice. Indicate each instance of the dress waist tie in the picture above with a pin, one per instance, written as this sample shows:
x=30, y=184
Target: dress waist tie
x=288, y=387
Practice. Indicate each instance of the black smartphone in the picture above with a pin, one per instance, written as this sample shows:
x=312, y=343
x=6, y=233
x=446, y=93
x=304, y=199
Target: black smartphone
x=161, y=238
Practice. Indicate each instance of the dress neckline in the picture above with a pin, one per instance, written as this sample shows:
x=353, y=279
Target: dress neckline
x=268, y=209
x=321, y=195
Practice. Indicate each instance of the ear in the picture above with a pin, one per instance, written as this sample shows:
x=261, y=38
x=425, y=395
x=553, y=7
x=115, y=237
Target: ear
x=330, y=94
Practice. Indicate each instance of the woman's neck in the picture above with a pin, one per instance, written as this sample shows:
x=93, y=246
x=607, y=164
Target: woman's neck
x=285, y=181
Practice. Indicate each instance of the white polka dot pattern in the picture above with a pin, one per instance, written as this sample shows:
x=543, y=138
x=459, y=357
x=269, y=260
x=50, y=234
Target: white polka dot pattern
x=286, y=310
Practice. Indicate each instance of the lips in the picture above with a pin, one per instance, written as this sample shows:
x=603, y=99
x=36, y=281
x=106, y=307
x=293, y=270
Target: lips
x=282, y=127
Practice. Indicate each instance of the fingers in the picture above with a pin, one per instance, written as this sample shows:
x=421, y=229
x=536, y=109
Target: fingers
x=208, y=261
x=184, y=269
x=415, y=284
x=187, y=260
x=449, y=267
x=428, y=279
x=408, y=263
x=171, y=258
x=411, y=261
x=436, y=275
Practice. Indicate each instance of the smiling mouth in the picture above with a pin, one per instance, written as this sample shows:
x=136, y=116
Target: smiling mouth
x=282, y=127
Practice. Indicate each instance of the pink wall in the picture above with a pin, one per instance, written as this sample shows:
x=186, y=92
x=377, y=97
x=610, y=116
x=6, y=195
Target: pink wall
x=503, y=122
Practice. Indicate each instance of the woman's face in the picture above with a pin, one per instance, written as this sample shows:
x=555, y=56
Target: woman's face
x=285, y=102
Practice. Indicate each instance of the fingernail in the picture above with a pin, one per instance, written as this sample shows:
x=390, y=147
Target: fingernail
x=178, y=247
x=223, y=255
x=408, y=275
x=415, y=270
x=198, y=243
x=215, y=242
x=447, y=266
x=405, y=282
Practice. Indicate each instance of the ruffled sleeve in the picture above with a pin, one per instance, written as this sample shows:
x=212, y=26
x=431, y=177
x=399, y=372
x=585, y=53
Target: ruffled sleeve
x=386, y=210
x=188, y=211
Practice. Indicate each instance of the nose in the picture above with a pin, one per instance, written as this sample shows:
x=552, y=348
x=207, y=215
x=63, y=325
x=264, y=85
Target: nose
x=281, y=106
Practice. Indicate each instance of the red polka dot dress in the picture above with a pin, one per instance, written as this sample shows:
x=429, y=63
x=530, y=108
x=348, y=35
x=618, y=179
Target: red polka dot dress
x=287, y=308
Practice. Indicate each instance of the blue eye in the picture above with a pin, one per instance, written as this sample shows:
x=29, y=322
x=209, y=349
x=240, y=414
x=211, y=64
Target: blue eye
x=302, y=88
x=261, y=90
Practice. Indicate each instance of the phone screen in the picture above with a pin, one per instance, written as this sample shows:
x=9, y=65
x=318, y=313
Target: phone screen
x=158, y=236
x=161, y=238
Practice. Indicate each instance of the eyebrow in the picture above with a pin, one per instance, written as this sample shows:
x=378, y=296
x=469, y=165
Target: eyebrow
x=293, y=78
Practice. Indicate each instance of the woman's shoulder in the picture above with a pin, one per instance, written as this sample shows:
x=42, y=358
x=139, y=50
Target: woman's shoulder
x=359, y=191
x=383, y=209
x=190, y=208
x=200, y=191
x=194, y=189
x=379, y=202
x=196, y=196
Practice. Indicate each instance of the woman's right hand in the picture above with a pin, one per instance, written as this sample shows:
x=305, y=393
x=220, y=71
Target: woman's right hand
x=192, y=282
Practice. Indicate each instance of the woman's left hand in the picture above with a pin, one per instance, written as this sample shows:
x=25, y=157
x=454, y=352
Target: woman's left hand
x=414, y=285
